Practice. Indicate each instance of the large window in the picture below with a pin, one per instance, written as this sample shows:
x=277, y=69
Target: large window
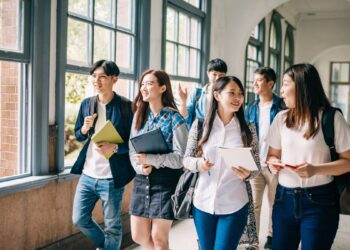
x=289, y=48
x=340, y=87
x=254, y=58
x=275, y=48
x=184, y=42
x=97, y=29
x=14, y=58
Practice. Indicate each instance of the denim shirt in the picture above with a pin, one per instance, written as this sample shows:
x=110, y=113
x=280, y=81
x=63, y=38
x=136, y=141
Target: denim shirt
x=252, y=111
x=121, y=168
x=197, y=106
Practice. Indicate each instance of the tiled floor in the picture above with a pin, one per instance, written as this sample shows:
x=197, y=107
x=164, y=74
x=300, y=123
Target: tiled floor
x=183, y=235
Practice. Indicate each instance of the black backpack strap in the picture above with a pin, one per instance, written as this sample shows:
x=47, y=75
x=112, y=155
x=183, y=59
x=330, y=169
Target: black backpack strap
x=93, y=110
x=328, y=130
x=126, y=110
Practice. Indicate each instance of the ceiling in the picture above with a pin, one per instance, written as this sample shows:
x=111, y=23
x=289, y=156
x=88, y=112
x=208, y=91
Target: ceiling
x=319, y=8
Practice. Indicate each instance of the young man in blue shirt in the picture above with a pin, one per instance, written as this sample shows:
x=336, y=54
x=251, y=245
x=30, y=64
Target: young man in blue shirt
x=261, y=113
x=198, y=104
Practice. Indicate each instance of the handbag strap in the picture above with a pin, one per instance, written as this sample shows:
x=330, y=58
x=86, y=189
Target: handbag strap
x=199, y=135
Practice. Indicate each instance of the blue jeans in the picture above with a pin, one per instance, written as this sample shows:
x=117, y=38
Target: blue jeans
x=89, y=191
x=309, y=215
x=219, y=232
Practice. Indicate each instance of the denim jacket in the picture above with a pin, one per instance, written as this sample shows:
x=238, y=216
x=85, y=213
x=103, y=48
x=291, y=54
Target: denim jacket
x=197, y=106
x=252, y=111
x=121, y=168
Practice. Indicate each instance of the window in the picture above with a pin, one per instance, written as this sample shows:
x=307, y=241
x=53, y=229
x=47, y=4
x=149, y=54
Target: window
x=185, y=52
x=97, y=29
x=340, y=87
x=275, y=48
x=14, y=59
x=254, y=58
x=289, y=48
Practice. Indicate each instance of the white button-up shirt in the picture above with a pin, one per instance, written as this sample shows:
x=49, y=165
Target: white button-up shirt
x=221, y=191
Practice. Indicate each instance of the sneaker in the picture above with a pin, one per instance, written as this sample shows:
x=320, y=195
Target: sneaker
x=268, y=244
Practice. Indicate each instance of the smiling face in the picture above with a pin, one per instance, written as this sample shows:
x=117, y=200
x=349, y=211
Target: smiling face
x=261, y=85
x=230, y=99
x=150, y=88
x=102, y=83
x=288, y=91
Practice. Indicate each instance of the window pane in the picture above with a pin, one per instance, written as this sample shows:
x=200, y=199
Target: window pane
x=171, y=25
x=103, y=44
x=194, y=63
x=182, y=66
x=104, y=11
x=77, y=87
x=286, y=48
x=125, y=14
x=252, y=52
x=195, y=3
x=170, y=58
x=122, y=87
x=255, y=32
x=80, y=7
x=77, y=45
x=195, y=33
x=340, y=98
x=10, y=25
x=273, y=37
x=10, y=117
x=125, y=48
x=340, y=72
x=184, y=29
x=273, y=62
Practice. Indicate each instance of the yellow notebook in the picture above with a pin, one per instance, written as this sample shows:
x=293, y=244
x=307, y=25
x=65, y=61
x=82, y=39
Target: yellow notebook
x=107, y=133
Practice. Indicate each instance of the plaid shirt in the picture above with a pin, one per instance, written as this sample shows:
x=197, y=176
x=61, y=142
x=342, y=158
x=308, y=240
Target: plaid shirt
x=167, y=120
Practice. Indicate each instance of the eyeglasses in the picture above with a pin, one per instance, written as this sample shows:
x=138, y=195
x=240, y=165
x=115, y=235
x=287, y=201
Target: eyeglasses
x=98, y=77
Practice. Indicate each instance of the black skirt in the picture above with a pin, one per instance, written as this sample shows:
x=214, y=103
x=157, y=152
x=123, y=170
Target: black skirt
x=151, y=195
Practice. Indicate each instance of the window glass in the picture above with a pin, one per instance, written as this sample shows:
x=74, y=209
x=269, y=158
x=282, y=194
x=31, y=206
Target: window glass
x=184, y=29
x=103, y=44
x=125, y=48
x=104, y=11
x=80, y=7
x=340, y=72
x=195, y=33
x=195, y=3
x=126, y=14
x=273, y=38
x=12, y=115
x=77, y=44
x=171, y=25
x=10, y=25
x=170, y=60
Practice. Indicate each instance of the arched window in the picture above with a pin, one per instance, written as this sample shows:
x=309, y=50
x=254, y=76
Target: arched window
x=254, y=58
x=289, y=48
x=275, y=47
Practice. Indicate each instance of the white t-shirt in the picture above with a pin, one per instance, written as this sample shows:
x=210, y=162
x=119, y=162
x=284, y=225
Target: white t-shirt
x=295, y=149
x=96, y=165
x=221, y=192
x=264, y=125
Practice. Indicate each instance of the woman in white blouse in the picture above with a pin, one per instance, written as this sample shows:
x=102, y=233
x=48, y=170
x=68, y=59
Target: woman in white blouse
x=306, y=205
x=222, y=197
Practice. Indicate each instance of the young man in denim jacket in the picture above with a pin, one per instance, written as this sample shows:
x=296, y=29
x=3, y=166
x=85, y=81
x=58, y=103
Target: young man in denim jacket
x=102, y=178
x=200, y=99
x=261, y=113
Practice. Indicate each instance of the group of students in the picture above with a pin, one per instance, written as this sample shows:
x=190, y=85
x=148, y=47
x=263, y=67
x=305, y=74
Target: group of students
x=227, y=199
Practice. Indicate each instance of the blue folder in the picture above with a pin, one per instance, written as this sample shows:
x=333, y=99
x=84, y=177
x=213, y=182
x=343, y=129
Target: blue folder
x=151, y=142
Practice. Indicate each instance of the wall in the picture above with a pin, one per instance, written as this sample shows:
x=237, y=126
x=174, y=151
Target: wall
x=41, y=216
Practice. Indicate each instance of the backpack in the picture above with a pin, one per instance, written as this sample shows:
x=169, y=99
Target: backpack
x=197, y=96
x=342, y=181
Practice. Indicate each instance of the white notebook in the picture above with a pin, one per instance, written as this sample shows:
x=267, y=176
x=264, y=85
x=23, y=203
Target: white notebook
x=235, y=157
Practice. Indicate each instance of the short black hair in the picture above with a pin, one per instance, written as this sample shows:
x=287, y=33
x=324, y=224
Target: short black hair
x=217, y=64
x=268, y=73
x=110, y=68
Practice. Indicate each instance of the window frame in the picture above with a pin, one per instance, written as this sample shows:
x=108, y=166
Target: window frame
x=259, y=44
x=276, y=21
x=140, y=62
x=204, y=14
x=290, y=37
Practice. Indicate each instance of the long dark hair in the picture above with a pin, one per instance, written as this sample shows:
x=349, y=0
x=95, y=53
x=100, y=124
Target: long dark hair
x=142, y=108
x=245, y=131
x=309, y=98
